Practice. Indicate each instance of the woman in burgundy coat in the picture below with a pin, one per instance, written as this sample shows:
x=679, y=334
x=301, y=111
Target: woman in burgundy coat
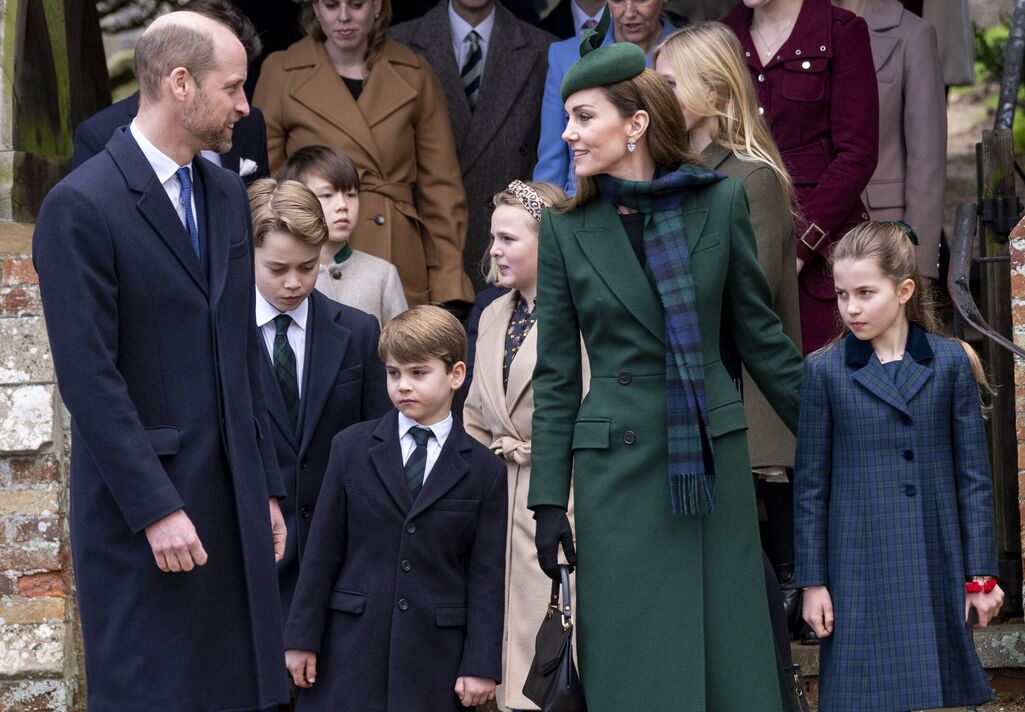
x=811, y=64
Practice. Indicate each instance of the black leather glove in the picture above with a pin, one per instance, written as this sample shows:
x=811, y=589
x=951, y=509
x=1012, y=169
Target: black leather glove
x=553, y=529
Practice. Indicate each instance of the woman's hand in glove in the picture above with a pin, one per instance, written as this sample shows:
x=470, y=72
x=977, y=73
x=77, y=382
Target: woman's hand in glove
x=553, y=529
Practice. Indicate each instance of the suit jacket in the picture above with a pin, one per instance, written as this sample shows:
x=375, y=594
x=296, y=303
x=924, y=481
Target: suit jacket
x=613, y=448
x=412, y=203
x=158, y=362
x=497, y=142
x=909, y=180
x=893, y=483
x=559, y=21
x=343, y=383
x=399, y=598
x=820, y=99
x=554, y=162
x=770, y=442
x=249, y=138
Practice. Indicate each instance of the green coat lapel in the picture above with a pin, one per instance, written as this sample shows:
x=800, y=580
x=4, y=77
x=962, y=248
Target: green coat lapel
x=604, y=242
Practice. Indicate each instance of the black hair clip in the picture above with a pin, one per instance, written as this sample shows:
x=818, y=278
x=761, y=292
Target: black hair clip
x=908, y=230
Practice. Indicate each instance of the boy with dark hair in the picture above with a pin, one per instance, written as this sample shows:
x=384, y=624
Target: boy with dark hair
x=400, y=600
x=322, y=373
x=346, y=275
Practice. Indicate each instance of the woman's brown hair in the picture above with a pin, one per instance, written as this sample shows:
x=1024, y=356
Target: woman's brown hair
x=310, y=25
x=665, y=138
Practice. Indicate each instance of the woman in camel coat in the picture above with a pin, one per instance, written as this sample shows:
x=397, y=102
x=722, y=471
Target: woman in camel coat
x=498, y=413
x=390, y=119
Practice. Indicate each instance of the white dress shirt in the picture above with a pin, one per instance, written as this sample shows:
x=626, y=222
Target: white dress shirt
x=165, y=168
x=461, y=28
x=434, y=445
x=265, y=313
x=580, y=17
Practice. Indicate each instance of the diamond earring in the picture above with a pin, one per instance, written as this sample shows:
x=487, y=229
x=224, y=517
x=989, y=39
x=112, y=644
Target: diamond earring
x=631, y=145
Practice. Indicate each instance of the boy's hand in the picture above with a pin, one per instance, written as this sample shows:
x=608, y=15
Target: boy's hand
x=277, y=529
x=986, y=605
x=473, y=691
x=175, y=544
x=818, y=610
x=303, y=666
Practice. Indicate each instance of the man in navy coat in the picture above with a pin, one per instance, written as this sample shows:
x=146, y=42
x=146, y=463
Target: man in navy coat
x=248, y=153
x=145, y=266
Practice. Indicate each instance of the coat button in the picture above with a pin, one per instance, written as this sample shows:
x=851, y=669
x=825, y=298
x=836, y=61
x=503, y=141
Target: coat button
x=822, y=48
x=629, y=437
x=624, y=377
x=806, y=64
x=908, y=455
x=797, y=52
x=403, y=604
x=761, y=77
x=378, y=220
x=406, y=566
x=761, y=110
x=303, y=465
x=410, y=528
x=304, y=512
x=909, y=490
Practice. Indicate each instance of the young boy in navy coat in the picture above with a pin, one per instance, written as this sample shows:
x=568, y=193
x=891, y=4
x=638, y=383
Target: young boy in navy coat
x=322, y=371
x=400, y=600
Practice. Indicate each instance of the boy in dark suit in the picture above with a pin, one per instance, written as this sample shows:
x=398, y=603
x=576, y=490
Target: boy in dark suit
x=322, y=373
x=400, y=600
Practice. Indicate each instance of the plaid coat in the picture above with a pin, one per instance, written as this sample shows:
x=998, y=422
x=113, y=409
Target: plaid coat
x=892, y=511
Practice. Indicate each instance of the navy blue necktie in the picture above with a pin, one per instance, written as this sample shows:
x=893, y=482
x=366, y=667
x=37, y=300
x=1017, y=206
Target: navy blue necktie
x=185, y=180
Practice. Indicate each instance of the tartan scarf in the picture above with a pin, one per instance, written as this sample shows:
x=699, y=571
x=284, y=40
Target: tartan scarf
x=691, y=465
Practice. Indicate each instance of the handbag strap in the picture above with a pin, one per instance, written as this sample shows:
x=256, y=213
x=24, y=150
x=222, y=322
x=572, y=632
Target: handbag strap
x=566, y=608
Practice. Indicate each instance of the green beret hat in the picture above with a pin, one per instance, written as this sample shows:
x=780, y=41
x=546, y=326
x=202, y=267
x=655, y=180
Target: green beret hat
x=600, y=66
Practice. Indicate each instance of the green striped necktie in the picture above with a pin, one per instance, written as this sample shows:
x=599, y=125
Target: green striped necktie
x=284, y=367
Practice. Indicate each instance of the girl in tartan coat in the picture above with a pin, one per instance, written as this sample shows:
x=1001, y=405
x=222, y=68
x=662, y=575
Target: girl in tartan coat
x=893, y=498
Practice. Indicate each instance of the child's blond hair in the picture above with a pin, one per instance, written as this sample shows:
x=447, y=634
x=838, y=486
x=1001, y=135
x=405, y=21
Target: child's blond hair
x=287, y=206
x=423, y=333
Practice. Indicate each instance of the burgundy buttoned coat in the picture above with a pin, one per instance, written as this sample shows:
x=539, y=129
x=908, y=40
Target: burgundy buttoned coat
x=820, y=99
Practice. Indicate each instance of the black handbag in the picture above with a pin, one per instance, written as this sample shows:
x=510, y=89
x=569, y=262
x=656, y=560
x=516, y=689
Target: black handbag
x=552, y=682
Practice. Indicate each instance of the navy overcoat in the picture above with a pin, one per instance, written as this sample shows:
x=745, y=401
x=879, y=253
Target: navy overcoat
x=893, y=508
x=157, y=360
x=343, y=383
x=399, y=598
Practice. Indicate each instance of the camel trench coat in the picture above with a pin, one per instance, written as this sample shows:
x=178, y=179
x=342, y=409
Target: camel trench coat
x=412, y=203
x=501, y=420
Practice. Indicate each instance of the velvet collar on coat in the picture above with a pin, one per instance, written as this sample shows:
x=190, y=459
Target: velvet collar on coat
x=857, y=353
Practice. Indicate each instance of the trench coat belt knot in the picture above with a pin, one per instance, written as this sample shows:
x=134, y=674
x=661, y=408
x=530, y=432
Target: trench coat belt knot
x=512, y=449
x=396, y=192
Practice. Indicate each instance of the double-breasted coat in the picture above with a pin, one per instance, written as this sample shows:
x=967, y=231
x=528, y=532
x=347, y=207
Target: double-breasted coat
x=412, y=203
x=497, y=141
x=819, y=97
x=158, y=361
x=893, y=508
x=669, y=608
x=343, y=383
x=399, y=598
x=500, y=419
x=770, y=442
x=910, y=175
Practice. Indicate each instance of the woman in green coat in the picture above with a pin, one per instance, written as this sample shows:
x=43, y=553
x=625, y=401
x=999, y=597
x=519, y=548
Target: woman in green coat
x=652, y=262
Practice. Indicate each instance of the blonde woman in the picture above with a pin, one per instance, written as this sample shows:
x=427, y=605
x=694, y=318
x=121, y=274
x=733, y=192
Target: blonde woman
x=499, y=409
x=346, y=85
x=704, y=65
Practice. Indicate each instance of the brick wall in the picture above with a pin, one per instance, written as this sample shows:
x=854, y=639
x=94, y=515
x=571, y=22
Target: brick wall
x=39, y=649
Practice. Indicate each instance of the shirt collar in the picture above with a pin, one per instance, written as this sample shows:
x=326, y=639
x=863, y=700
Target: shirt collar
x=440, y=429
x=163, y=165
x=580, y=17
x=265, y=312
x=461, y=28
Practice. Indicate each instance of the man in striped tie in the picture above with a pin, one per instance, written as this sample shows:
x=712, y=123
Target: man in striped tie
x=492, y=67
